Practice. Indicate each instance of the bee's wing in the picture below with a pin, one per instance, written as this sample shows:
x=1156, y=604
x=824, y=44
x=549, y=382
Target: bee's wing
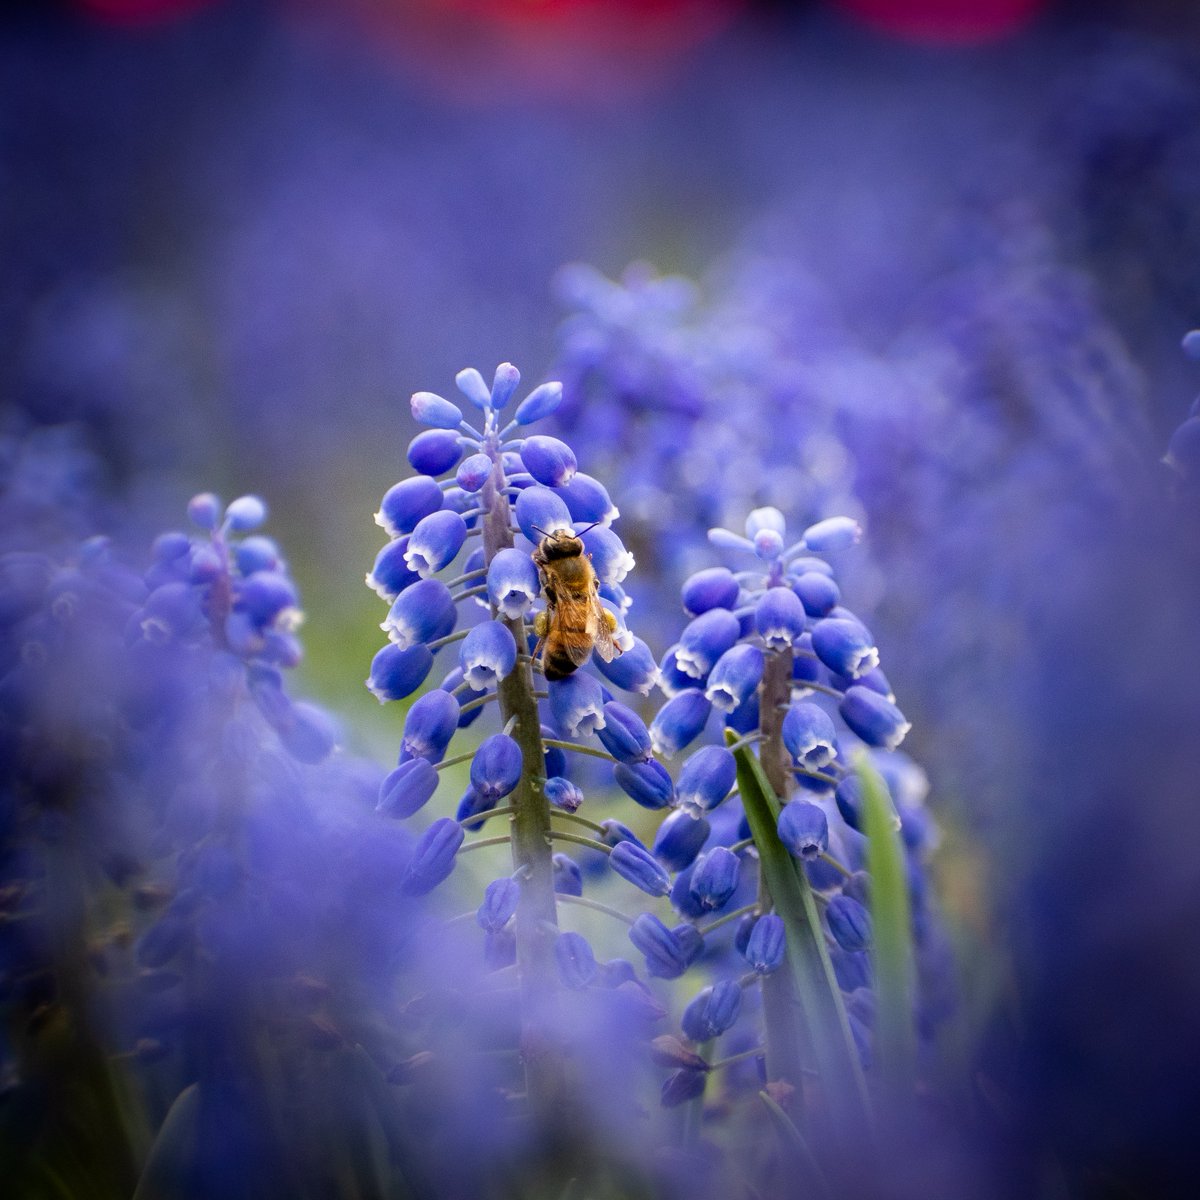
x=598, y=630
x=571, y=613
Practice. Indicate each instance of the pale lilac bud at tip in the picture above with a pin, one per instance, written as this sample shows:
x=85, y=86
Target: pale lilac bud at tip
x=470, y=383
x=832, y=534
x=428, y=408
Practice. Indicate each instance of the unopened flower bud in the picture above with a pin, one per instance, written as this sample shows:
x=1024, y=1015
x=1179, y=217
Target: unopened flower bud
x=766, y=945
x=679, y=839
x=715, y=877
x=712, y=1012
x=576, y=962
x=430, y=409
x=407, y=788
x=874, y=718
x=550, y=461
x=706, y=779
x=639, y=866
x=646, y=782
x=679, y=722
x=804, y=829
x=434, y=857
x=499, y=904
x=568, y=879
x=496, y=767
x=407, y=503
x=849, y=922
x=624, y=734
x=434, y=451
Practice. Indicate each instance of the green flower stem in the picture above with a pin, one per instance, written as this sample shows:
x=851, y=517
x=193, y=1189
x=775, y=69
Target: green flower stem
x=471, y=705
x=829, y=779
x=578, y=749
x=469, y=577
x=748, y=740
x=456, y=760
x=837, y=866
x=457, y=636
x=583, y=902
x=561, y=835
x=705, y=930
x=820, y=687
x=721, y=1064
x=562, y=813
x=508, y=810
x=501, y=839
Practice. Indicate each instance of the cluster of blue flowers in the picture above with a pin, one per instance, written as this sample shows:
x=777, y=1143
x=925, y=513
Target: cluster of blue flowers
x=492, y=479
x=773, y=657
x=769, y=654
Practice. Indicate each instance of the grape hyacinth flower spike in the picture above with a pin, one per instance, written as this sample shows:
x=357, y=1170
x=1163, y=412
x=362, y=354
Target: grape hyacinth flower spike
x=231, y=586
x=548, y=566
x=793, y=675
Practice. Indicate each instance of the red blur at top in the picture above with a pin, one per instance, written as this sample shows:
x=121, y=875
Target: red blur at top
x=490, y=50
x=944, y=22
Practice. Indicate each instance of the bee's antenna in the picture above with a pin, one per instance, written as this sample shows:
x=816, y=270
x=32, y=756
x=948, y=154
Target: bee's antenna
x=539, y=530
x=588, y=529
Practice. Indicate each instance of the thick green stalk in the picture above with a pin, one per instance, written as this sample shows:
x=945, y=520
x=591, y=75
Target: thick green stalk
x=536, y=919
x=776, y=692
x=799, y=1163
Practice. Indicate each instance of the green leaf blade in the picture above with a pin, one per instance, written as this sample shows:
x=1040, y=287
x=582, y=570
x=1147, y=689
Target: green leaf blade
x=891, y=948
x=825, y=1030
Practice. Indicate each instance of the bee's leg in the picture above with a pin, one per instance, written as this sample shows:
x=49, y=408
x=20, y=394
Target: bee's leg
x=610, y=620
x=541, y=627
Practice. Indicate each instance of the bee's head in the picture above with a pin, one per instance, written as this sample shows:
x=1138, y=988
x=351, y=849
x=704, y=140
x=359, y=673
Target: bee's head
x=561, y=543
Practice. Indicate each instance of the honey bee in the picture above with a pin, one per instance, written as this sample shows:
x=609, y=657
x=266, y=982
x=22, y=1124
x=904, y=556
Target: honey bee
x=574, y=620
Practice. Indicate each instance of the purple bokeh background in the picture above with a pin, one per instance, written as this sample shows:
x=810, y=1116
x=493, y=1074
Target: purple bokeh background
x=234, y=243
